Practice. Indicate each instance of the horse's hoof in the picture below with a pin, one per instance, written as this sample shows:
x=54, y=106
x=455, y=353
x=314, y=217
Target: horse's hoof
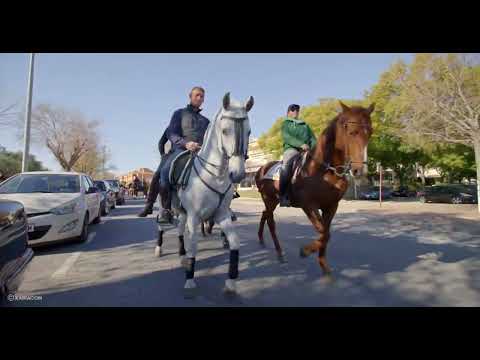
x=190, y=289
x=230, y=287
x=158, y=251
x=262, y=244
x=303, y=254
x=190, y=293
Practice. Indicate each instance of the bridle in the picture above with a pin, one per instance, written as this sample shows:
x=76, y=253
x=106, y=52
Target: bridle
x=347, y=166
x=239, y=149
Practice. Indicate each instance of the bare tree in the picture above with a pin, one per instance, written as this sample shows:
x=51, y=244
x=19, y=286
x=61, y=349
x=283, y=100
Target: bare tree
x=67, y=134
x=441, y=100
x=8, y=115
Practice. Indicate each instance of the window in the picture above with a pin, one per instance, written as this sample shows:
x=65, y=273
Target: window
x=41, y=183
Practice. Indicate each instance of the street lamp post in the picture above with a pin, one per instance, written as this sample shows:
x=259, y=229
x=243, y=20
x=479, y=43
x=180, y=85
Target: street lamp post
x=28, y=113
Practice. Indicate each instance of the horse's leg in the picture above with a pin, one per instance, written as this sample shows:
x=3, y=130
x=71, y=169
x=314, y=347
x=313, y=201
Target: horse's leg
x=211, y=223
x=182, y=218
x=261, y=227
x=158, y=248
x=203, y=229
x=319, y=244
x=191, y=251
x=271, y=204
x=328, y=216
x=225, y=223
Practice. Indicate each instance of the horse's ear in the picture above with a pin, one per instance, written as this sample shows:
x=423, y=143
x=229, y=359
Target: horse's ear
x=226, y=101
x=345, y=108
x=371, y=108
x=249, y=105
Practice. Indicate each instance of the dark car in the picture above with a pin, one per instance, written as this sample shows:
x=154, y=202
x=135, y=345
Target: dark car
x=452, y=194
x=403, y=191
x=108, y=200
x=117, y=189
x=14, y=251
x=374, y=194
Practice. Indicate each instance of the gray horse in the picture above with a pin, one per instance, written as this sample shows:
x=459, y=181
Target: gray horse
x=209, y=191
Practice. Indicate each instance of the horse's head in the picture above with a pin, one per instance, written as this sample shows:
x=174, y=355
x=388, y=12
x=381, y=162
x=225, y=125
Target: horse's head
x=353, y=131
x=233, y=129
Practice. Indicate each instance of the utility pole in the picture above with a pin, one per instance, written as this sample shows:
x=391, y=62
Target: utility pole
x=28, y=113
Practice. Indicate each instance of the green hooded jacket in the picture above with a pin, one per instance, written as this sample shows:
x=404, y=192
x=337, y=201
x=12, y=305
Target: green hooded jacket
x=295, y=133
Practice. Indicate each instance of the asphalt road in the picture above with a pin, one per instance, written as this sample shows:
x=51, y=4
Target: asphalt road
x=380, y=257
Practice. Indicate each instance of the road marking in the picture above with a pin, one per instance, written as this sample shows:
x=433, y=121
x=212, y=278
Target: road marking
x=90, y=237
x=62, y=271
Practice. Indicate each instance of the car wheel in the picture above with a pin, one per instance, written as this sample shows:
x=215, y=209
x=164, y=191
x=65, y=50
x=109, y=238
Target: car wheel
x=456, y=200
x=84, y=235
x=97, y=219
x=422, y=199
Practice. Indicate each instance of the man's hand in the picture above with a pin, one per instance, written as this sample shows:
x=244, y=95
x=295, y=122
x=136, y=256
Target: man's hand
x=192, y=146
x=305, y=147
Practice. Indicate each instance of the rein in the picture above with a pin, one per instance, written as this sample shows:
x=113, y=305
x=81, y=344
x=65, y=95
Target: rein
x=347, y=166
x=222, y=169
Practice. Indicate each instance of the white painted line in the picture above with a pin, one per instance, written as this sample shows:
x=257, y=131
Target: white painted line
x=62, y=270
x=90, y=237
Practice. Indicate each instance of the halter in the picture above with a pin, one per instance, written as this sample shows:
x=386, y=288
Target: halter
x=238, y=150
x=239, y=145
x=347, y=167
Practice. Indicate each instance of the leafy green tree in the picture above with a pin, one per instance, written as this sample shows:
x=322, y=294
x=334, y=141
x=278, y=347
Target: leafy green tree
x=11, y=163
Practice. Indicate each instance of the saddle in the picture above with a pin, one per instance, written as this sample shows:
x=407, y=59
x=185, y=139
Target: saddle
x=294, y=168
x=179, y=172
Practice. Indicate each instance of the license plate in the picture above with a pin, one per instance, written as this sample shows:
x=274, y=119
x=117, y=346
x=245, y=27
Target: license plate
x=31, y=228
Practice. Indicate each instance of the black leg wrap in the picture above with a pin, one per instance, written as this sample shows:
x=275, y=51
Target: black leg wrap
x=190, y=269
x=181, y=250
x=233, y=268
x=160, y=238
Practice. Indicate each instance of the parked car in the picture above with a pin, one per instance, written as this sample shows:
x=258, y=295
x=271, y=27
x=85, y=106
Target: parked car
x=59, y=205
x=403, y=191
x=108, y=196
x=15, y=254
x=119, y=192
x=374, y=194
x=452, y=193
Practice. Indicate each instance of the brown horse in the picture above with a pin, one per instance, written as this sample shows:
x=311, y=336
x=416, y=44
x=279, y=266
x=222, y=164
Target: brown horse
x=322, y=181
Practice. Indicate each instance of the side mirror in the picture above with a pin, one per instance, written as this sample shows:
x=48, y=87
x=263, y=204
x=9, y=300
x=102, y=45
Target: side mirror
x=92, y=190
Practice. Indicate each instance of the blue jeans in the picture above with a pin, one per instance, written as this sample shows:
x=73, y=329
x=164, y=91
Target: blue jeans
x=165, y=167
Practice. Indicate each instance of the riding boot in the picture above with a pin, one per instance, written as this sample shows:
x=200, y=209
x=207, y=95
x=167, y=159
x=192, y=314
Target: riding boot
x=152, y=196
x=284, y=179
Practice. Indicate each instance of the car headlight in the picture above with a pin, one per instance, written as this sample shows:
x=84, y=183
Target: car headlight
x=466, y=195
x=68, y=208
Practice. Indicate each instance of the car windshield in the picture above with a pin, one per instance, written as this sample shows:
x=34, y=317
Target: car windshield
x=41, y=183
x=100, y=185
x=113, y=183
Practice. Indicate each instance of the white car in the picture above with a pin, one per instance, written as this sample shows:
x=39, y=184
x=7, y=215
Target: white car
x=59, y=205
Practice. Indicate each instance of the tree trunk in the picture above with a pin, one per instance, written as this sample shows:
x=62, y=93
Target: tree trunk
x=476, y=146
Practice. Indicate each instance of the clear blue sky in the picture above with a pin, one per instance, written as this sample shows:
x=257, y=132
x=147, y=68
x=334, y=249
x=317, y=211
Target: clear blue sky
x=134, y=95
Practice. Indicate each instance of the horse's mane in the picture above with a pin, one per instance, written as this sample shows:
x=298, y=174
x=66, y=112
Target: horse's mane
x=329, y=145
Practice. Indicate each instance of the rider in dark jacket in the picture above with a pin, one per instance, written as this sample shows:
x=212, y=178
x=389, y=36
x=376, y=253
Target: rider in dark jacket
x=186, y=131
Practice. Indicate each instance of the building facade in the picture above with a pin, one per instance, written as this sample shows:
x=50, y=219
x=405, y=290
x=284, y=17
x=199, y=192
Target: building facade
x=144, y=174
x=257, y=158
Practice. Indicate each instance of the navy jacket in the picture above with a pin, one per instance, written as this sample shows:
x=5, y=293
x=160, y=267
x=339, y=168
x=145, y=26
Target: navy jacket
x=162, y=142
x=189, y=119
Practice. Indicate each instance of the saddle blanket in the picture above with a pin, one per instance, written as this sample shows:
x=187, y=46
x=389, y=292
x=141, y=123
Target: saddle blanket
x=274, y=172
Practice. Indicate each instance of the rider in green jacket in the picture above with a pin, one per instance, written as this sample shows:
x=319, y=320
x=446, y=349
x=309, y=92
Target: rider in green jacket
x=297, y=136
